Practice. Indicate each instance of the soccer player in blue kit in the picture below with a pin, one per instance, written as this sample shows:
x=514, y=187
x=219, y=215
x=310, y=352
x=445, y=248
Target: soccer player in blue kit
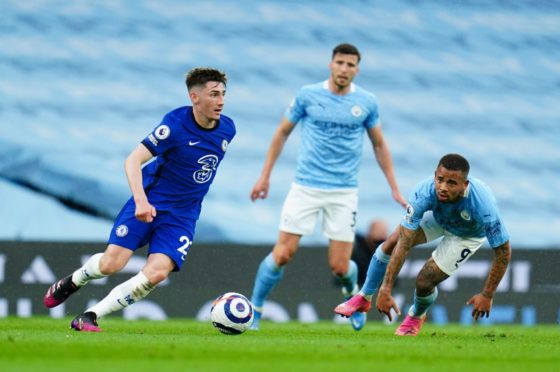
x=451, y=205
x=333, y=116
x=166, y=200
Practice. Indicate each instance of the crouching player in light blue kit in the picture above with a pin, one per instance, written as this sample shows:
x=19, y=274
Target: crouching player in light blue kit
x=451, y=205
x=333, y=116
x=166, y=199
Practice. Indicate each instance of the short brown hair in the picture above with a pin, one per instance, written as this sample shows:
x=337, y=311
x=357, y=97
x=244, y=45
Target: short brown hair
x=346, y=48
x=202, y=75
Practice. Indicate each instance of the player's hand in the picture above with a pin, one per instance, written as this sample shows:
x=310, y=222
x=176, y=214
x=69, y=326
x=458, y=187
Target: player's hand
x=481, y=305
x=385, y=303
x=260, y=190
x=399, y=198
x=145, y=212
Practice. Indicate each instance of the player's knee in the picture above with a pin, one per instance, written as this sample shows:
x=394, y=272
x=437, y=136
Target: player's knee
x=390, y=242
x=339, y=268
x=109, y=266
x=283, y=253
x=156, y=276
x=283, y=258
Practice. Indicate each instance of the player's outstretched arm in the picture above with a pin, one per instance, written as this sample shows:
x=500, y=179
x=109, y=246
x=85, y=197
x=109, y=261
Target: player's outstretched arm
x=260, y=190
x=145, y=212
x=385, y=301
x=385, y=161
x=482, y=302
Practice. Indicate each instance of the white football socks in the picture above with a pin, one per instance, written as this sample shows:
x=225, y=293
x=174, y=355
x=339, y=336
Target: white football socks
x=89, y=271
x=127, y=293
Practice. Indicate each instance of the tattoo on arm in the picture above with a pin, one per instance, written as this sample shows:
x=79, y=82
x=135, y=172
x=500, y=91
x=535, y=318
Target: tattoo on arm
x=404, y=244
x=498, y=269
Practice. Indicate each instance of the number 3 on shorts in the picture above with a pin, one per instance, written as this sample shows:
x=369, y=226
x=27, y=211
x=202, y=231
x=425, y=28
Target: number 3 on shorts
x=185, y=247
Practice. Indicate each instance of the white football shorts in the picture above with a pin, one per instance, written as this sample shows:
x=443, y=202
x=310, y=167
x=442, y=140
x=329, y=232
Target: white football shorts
x=304, y=205
x=453, y=250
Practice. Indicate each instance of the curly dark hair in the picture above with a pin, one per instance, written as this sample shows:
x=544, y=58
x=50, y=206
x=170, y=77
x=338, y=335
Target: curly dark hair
x=202, y=75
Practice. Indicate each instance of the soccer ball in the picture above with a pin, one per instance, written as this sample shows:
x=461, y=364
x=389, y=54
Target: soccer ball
x=231, y=313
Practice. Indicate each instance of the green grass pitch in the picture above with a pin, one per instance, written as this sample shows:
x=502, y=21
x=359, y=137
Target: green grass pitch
x=45, y=344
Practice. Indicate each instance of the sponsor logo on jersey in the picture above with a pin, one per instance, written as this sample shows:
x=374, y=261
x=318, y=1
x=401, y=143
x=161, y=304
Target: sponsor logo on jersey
x=493, y=232
x=162, y=132
x=224, y=145
x=121, y=231
x=356, y=111
x=153, y=139
x=192, y=143
x=332, y=128
x=465, y=215
x=208, y=167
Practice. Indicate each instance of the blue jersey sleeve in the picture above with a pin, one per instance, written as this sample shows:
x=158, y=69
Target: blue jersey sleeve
x=296, y=110
x=488, y=214
x=496, y=231
x=162, y=138
x=418, y=203
x=373, y=117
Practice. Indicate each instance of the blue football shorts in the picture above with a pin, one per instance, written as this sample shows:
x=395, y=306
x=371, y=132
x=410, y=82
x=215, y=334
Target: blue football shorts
x=167, y=233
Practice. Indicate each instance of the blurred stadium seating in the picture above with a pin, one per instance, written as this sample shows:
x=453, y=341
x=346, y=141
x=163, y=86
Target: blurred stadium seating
x=81, y=83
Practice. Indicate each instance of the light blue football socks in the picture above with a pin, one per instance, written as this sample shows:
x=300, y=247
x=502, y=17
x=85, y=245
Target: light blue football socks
x=349, y=281
x=422, y=304
x=375, y=273
x=268, y=275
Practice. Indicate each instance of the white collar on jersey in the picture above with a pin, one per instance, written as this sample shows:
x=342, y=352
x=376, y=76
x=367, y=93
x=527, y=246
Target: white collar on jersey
x=467, y=190
x=352, y=86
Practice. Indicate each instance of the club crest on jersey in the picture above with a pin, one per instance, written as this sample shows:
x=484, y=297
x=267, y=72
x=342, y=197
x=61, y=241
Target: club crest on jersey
x=121, y=231
x=225, y=145
x=356, y=111
x=162, y=132
x=465, y=215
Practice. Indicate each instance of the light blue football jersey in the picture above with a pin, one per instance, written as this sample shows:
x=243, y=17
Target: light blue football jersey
x=474, y=215
x=332, y=133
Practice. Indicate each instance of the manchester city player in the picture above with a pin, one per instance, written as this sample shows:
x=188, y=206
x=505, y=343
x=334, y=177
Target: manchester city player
x=167, y=194
x=333, y=116
x=451, y=205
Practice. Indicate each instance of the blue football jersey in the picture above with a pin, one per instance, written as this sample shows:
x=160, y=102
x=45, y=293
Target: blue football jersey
x=474, y=215
x=332, y=132
x=187, y=157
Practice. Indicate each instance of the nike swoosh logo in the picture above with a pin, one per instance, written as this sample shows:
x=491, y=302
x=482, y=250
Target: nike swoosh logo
x=192, y=143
